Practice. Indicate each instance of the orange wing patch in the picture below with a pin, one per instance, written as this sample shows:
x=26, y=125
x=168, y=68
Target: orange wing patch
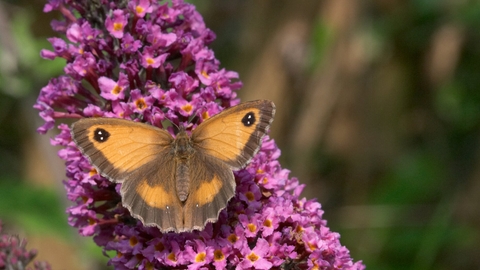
x=155, y=196
x=207, y=191
x=212, y=186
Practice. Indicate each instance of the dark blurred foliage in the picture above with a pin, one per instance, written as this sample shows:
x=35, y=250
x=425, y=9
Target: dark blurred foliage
x=378, y=113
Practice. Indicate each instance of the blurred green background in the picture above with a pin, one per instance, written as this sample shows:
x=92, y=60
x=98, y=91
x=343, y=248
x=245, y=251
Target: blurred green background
x=378, y=112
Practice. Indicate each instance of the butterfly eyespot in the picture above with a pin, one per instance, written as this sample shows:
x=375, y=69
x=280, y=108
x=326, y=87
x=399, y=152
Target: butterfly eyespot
x=101, y=135
x=249, y=119
x=196, y=205
x=168, y=207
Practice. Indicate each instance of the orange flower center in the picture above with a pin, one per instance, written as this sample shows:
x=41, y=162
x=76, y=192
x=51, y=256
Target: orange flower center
x=204, y=73
x=267, y=223
x=116, y=90
x=252, y=227
x=232, y=238
x=150, y=61
x=172, y=257
x=187, y=107
x=133, y=241
x=117, y=26
x=252, y=257
x=200, y=257
x=218, y=255
x=140, y=103
x=139, y=9
x=250, y=196
x=265, y=180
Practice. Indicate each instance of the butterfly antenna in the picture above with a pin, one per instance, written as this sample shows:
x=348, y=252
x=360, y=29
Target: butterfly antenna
x=190, y=119
x=166, y=122
x=173, y=124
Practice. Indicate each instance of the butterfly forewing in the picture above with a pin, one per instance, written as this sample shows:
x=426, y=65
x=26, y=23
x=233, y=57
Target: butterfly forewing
x=117, y=147
x=234, y=136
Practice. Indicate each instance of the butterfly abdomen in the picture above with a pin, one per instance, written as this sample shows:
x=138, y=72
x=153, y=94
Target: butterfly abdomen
x=183, y=150
x=182, y=177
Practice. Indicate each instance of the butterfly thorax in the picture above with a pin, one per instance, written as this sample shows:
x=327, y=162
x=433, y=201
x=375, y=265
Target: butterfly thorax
x=182, y=146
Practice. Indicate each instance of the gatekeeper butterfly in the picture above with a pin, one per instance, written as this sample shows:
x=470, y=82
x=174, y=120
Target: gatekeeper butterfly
x=177, y=184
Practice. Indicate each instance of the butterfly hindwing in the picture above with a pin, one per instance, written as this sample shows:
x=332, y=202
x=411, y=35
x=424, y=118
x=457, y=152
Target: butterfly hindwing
x=211, y=187
x=117, y=147
x=234, y=135
x=149, y=194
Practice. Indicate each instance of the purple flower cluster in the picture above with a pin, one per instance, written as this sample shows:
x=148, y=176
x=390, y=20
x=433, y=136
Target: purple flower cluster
x=148, y=61
x=14, y=255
